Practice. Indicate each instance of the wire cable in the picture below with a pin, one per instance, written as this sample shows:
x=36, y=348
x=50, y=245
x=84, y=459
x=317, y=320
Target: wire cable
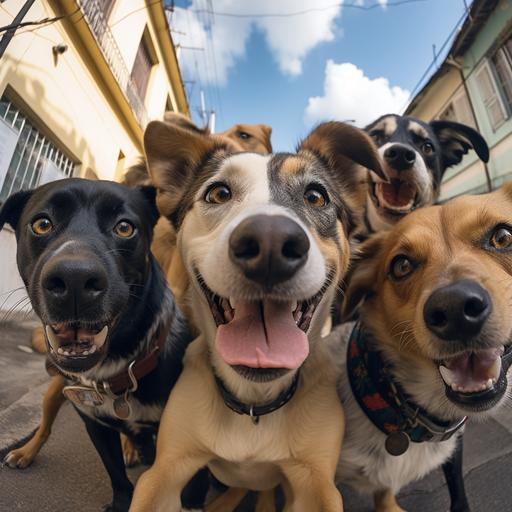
x=304, y=11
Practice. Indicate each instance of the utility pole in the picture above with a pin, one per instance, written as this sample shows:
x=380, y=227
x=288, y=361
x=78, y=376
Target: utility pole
x=6, y=39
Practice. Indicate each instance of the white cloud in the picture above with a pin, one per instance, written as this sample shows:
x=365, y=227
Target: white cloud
x=289, y=38
x=350, y=95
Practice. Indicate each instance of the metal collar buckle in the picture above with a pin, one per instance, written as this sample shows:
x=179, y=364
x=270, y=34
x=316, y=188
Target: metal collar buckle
x=255, y=419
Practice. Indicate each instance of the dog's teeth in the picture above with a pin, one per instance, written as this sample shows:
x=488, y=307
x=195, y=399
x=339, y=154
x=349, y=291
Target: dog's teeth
x=92, y=349
x=293, y=305
x=66, y=353
x=489, y=384
x=99, y=339
x=232, y=302
x=52, y=339
x=60, y=351
x=496, y=368
x=85, y=353
x=447, y=375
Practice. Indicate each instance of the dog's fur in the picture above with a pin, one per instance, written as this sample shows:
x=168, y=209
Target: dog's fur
x=445, y=244
x=435, y=147
x=297, y=445
x=126, y=292
x=240, y=137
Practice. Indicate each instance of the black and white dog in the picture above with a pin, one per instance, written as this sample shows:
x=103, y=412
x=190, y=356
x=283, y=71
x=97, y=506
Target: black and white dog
x=415, y=157
x=112, y=326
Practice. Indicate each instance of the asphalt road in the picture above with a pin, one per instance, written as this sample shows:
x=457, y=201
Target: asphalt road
x=68, y=475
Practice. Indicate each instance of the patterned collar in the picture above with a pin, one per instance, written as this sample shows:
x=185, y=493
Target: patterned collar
x=386, y=404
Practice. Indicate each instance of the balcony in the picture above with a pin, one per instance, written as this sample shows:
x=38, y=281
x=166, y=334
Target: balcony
x=94, y=15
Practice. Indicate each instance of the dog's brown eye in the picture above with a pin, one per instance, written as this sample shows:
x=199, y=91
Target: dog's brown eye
x=315, y=197
x=218, y=194
x=42, y=226
x=501, y=238
x=401, y=267
x=243, y=135
x=427, y=148
x=124, y=229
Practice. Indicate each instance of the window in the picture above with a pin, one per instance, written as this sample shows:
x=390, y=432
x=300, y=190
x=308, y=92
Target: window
x=459, y=110
x=494, y=79
x=106, y=7
x=168, y=105
x=27, y=157
x=144, y=61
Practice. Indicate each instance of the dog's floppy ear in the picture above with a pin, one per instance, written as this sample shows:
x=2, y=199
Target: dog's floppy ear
x=265, y=132
x=341, y=145
x=149, y=194
x=362, y=275
x=11, y=210
x=172, y=155
x=456, y=140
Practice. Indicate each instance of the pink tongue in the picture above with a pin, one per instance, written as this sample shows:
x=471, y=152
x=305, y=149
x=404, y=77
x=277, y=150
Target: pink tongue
x=262, y=335
x=475, y=368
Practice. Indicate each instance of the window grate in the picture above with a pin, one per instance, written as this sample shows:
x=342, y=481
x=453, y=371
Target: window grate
x=36, y=159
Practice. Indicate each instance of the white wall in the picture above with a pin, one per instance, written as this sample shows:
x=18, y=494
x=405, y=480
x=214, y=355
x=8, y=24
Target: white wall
x=9, y=276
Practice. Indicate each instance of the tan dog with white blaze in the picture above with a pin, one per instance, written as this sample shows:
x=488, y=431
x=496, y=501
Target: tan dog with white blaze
x=264, y=241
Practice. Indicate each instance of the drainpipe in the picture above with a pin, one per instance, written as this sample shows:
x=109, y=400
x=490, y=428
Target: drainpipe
x=452, y=62
x=16, y=21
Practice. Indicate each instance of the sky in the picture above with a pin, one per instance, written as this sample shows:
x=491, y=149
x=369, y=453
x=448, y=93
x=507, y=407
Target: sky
x=294, y=63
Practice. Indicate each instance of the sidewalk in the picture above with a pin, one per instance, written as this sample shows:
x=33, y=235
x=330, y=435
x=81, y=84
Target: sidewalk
x=68, y=475
x=23, y=381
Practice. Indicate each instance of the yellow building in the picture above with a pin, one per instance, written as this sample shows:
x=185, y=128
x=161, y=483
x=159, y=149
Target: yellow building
x=76, y=92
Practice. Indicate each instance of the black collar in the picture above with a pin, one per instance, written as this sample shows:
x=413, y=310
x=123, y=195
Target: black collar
x=386, y=404
x=255, y=411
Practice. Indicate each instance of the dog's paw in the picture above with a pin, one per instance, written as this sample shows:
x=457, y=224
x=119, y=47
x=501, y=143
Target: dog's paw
x=18, y=459
x=130, y=453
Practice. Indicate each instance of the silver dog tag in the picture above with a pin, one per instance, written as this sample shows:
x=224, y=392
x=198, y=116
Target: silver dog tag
x=397, y=443
x=83, y=395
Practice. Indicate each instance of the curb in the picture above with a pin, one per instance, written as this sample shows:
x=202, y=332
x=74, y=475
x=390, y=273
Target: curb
x=20, y=420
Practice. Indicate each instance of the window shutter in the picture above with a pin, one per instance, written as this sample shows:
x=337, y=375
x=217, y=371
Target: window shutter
x=490, y=96
x=142, y=69
x=462, y=109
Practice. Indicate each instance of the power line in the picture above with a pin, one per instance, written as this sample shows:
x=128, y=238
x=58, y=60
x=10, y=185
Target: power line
x=434, y=60
x=43, y=21
x=302, y=12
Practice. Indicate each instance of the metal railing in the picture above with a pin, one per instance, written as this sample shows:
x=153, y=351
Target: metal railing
x=95, y=18
x=34, y=154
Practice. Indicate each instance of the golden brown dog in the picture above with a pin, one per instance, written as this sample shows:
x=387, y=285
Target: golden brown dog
x=264, y=240
x=435, y=334
x=240, y=137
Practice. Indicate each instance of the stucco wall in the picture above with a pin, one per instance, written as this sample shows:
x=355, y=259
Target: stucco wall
x=70, y=100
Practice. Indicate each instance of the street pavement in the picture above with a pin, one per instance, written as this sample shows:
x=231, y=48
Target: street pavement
x=68, y=475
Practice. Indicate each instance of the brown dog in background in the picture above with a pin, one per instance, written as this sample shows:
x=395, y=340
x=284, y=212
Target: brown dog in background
x=240, y=137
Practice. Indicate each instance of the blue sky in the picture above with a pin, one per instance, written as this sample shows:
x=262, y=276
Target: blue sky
x=266, y=69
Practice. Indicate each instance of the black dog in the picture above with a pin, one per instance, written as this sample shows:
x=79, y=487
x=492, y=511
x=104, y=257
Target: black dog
x=415, y=155
x=112, y=325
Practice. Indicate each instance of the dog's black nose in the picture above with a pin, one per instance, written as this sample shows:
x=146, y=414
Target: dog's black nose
x=269, y=249
x=74, y=281
x=457, y=311
x=400, y=156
